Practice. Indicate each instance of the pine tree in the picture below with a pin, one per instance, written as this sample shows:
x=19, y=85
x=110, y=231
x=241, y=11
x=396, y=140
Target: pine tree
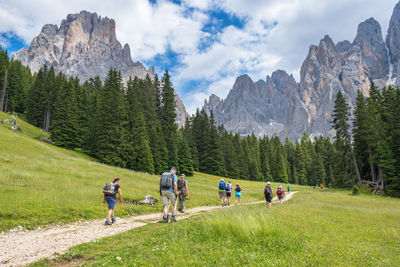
x=341, y=114
x=300, y=165
x=110, y=120
x=168, y=116
x=65, y=126
x=141, y=158
x=185, y=163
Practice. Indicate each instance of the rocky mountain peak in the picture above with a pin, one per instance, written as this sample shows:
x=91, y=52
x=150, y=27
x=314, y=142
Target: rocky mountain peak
x=282, y=81
x=393, y=41
x=375, y=57
x=85, y=45
x=243, y=83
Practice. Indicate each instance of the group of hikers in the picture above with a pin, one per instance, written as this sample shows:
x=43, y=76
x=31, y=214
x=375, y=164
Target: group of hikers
x=172, y=188
x=225, y=193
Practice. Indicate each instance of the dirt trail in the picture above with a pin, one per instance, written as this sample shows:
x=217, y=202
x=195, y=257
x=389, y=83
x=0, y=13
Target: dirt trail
x=24, y=247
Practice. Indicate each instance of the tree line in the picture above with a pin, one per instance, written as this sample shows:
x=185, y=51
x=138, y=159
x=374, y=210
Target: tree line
x=132, y=125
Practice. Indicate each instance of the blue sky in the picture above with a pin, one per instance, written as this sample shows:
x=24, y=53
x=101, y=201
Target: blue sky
x=206, y=44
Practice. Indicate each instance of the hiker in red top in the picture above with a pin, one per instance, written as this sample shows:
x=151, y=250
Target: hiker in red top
x=322, y=186
x=280, y=193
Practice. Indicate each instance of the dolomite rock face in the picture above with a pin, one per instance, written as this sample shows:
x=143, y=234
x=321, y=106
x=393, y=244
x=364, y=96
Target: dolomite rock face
x=85, y=45
x=280, y=106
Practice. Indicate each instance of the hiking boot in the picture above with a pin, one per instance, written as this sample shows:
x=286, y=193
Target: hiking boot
x=165, y=219
x=113, y=220
x=108, y=222
x=173, y=219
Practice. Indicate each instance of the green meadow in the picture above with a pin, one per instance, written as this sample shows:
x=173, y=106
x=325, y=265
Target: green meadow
x=42, y=184
x=313, y=229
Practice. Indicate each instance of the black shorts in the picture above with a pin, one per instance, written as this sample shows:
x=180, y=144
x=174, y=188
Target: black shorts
x=268, y=198
x=228, y=194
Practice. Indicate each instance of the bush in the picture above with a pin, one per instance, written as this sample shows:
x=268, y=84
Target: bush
x=355, y=192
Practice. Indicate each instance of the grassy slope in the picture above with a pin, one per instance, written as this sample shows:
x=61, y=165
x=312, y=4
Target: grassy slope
x=317, y=228
x=42, y=184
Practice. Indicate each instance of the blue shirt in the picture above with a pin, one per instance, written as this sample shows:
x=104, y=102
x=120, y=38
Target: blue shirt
x=221, y=185
x=172, y=189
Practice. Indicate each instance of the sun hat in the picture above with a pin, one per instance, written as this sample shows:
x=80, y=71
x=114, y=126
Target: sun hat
x=268, y=182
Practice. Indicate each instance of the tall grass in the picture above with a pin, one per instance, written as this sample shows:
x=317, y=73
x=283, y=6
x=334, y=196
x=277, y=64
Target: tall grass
x=315, y=229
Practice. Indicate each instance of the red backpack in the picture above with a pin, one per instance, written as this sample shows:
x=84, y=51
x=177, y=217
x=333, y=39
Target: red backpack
x=279, y=192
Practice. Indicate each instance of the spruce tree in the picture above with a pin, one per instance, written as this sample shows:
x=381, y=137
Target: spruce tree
x=185, y=164
x=344, y=172
x=168, y=116
x=141, y=159
x=65, y=126
x=110, y=120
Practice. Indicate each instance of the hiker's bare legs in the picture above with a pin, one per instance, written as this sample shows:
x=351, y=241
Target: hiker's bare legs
x=165, y=210
x=110, y=213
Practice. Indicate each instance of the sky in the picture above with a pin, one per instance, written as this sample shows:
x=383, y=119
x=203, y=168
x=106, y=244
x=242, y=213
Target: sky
x=206, y=44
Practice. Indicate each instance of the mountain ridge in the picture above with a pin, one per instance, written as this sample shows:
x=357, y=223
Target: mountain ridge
x=329, y=67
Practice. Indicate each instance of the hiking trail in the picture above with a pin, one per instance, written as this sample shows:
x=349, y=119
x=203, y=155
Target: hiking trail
x=28, y=246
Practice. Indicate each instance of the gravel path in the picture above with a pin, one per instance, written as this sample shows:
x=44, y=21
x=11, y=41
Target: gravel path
x=24, y=247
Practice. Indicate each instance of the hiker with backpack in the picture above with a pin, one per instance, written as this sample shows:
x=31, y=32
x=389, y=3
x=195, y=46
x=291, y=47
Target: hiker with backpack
x=222, y=192
x=288, y=188
x=268, y=194
x=280, y=193
x=238, y=193
x=183, y=190
x=169, y=192
x=110, y=191
x=228, y=190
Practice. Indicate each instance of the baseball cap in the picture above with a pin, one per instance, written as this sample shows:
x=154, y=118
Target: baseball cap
x=268, y=182
x=222, y=179
x=116, y=179
x=173, y=168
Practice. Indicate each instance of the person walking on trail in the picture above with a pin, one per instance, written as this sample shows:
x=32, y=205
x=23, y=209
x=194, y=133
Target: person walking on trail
x=222, y=191
x=183, y=191
x=169, y=192
x=288, y=188
x=110, y=191
x=228, y=193
x=322, y=186
x=268, y=194
x=238, y=193
x=280, y=193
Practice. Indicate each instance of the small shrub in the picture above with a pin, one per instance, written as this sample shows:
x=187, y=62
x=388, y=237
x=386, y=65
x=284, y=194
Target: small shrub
x=355, y=192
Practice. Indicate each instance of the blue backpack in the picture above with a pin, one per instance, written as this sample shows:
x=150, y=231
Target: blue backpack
x=221, y=186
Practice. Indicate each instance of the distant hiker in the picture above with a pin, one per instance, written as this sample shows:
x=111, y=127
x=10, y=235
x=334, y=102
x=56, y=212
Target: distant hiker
x=322, y=186
x=222, y=192
x=314, y=186
x=169, y=192
x=238, y=193
x=268, y=194
x=280, y=193
x=288, y=188
x=183, y=192
x=110, y=191
x=228, y=190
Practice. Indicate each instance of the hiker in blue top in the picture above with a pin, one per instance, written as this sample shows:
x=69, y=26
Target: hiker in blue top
x=228, y=193
x=288, y=188
x=222, y=192
x=169, y=191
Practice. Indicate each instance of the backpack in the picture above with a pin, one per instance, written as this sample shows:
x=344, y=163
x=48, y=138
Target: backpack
x=228, y=187
x=267, y=191
x=221, y=186
x=238, y=189
x=181, y=184
x=166, y=180
x=279, y=192
x=108, y=189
